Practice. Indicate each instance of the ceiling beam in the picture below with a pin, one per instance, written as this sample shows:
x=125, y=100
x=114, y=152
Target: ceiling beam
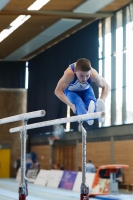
x=57, y=13
x=58, y=39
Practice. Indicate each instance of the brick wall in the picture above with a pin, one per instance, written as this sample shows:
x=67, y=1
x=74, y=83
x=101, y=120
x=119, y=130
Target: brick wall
x=12, y=102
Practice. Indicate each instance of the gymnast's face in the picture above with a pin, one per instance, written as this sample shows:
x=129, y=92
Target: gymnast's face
x=83, y=76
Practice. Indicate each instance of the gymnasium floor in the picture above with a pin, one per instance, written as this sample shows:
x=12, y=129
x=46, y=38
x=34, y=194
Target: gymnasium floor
x=9, y=191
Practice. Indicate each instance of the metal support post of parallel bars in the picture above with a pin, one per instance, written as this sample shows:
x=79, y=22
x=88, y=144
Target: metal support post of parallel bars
x=23, y=187
x=84, y=189
x=80, y=118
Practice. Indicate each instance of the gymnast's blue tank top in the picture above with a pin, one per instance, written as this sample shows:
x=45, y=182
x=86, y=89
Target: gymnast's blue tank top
x=75, y=85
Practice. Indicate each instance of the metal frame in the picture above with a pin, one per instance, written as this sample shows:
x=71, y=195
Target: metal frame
x=84, y=189
x=23, y=187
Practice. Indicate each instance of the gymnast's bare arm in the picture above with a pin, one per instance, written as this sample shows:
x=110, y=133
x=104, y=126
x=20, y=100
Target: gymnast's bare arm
x=63, y=83
x=100, y=82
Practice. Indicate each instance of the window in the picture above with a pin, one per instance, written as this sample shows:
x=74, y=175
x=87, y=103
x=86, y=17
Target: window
x=129, y=72
x=26, y=76
x=107, y=76
x=119, y=67
x=115, y=65
x=105, y=64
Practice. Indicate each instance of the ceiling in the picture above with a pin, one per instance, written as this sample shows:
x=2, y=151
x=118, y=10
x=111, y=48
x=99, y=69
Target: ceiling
x=52, y=23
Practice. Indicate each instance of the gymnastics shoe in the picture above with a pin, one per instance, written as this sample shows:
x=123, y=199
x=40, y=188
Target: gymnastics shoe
x=91, y=109
x=100, y=107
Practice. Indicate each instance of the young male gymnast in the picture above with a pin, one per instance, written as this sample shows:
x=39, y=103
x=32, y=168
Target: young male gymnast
x=74, y=89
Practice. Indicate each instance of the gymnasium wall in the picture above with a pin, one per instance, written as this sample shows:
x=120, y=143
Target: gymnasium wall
x=12, y=102
x=101, y=153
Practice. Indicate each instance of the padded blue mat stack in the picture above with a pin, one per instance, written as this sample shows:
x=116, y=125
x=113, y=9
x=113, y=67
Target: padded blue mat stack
x=115, y=197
